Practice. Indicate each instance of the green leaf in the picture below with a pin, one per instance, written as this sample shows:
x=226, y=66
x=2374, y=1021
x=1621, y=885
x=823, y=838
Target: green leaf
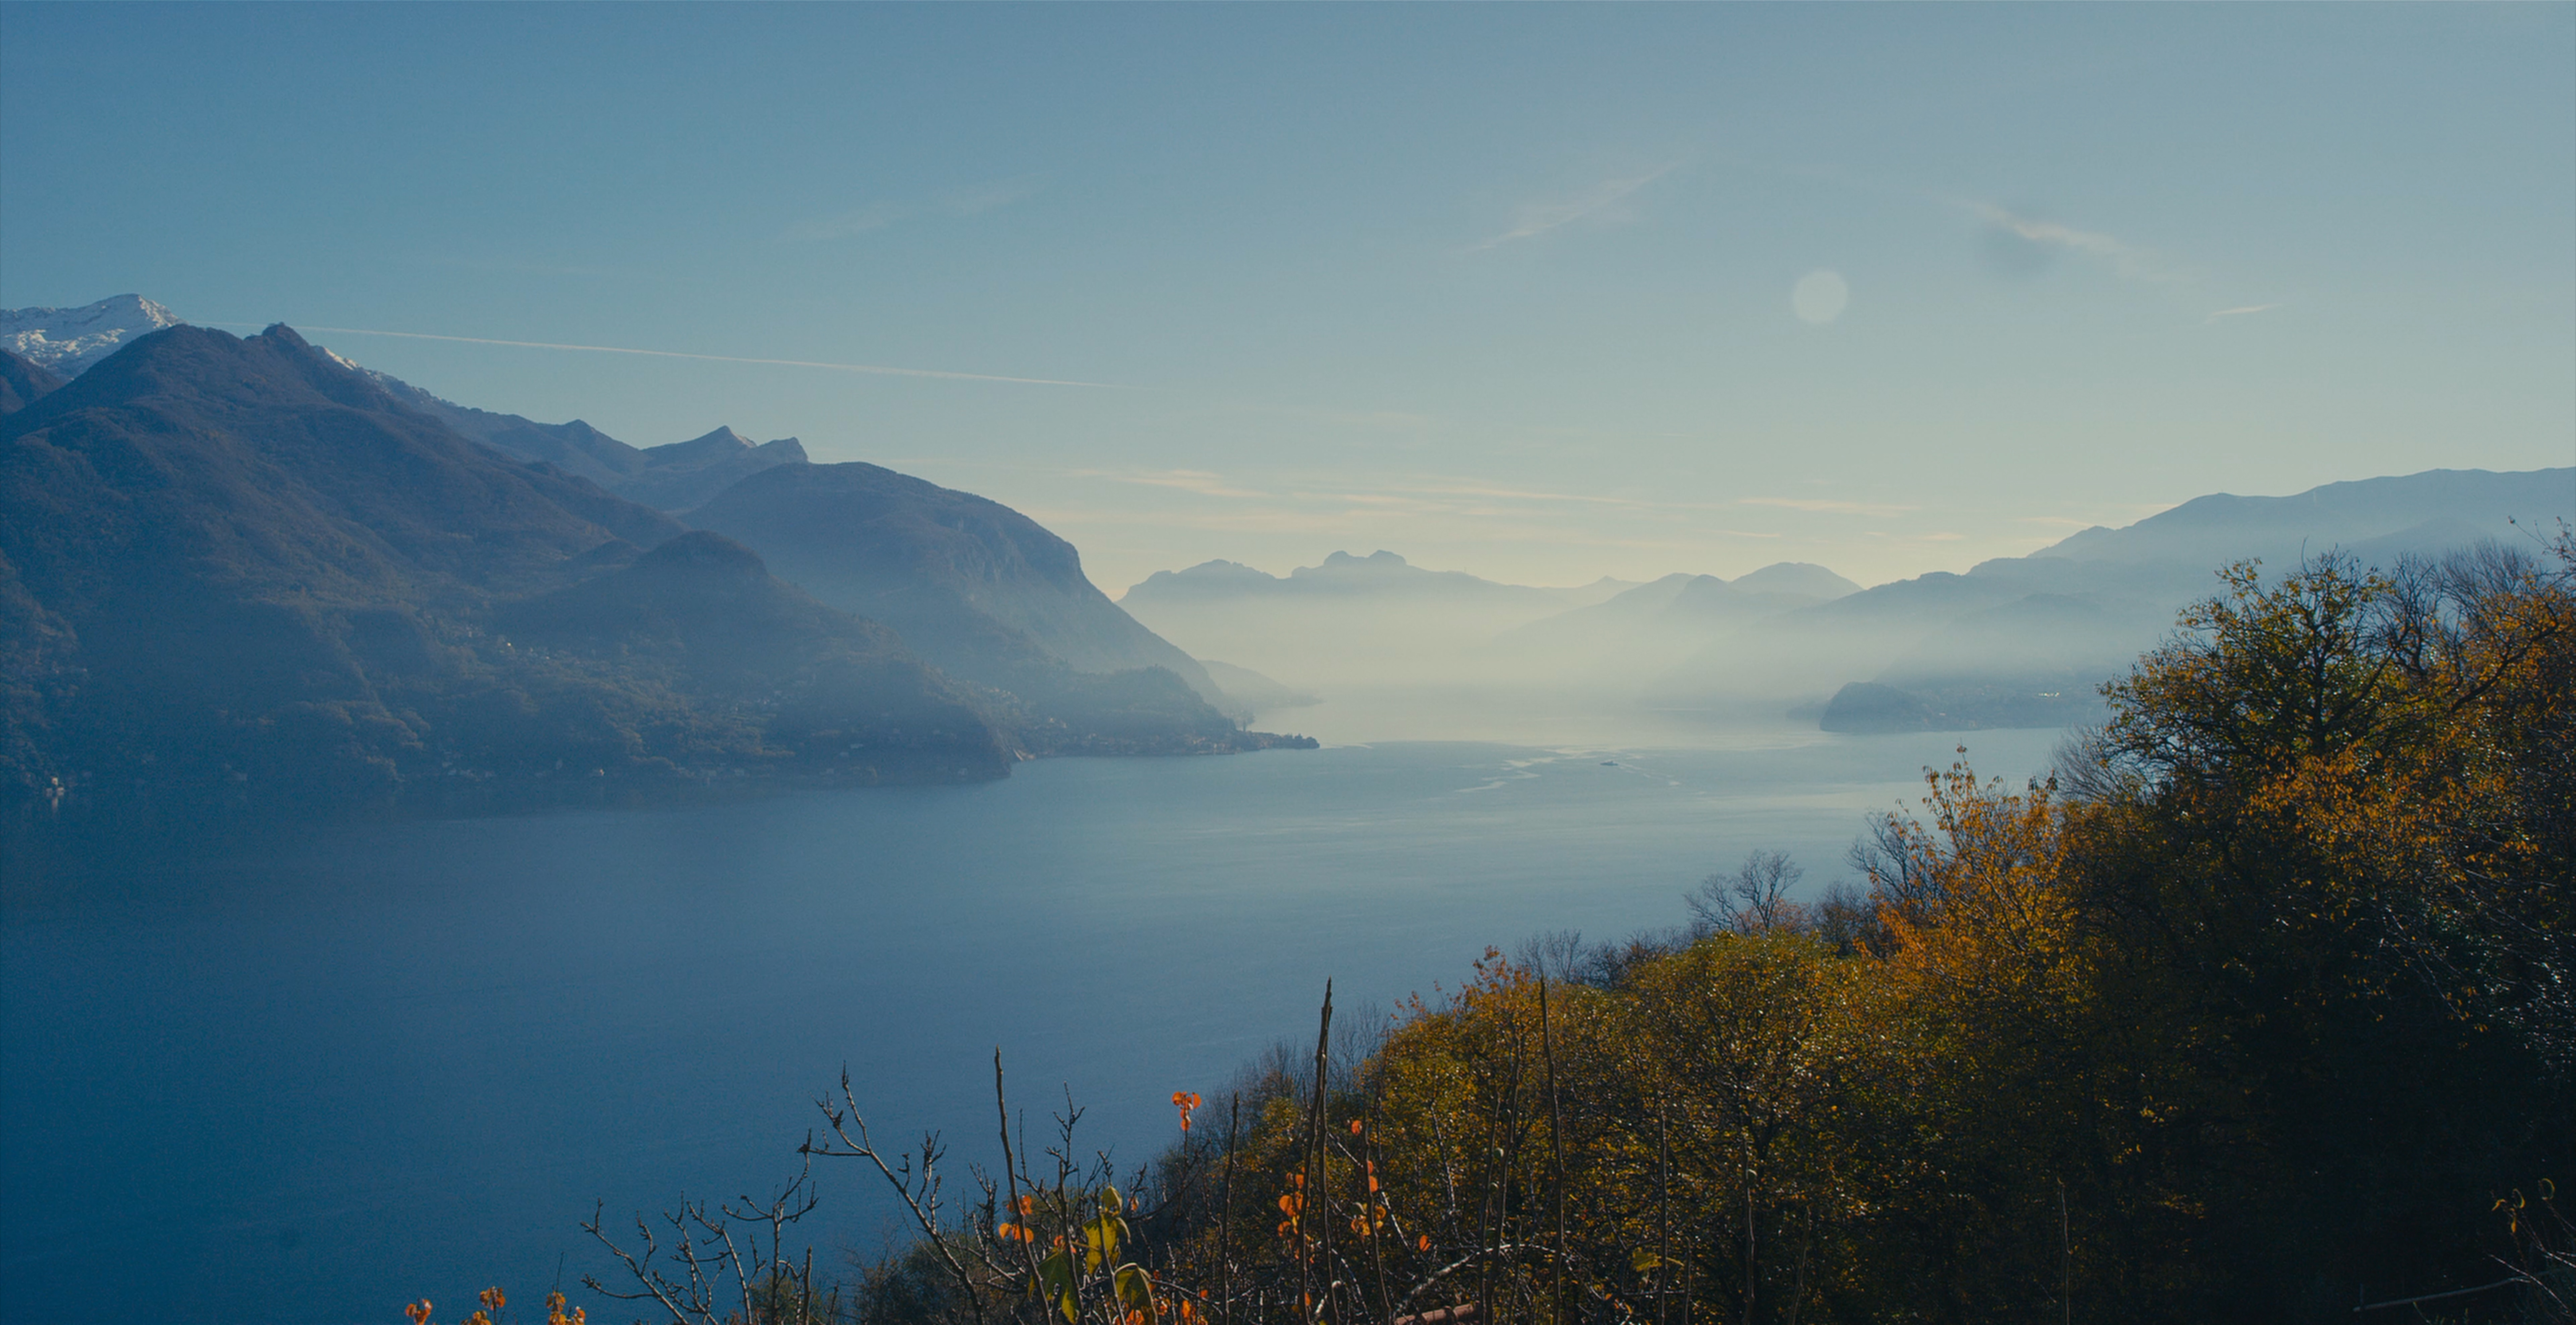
x=1136, y=1290
x=1055, y=1279
x=1103, y=1236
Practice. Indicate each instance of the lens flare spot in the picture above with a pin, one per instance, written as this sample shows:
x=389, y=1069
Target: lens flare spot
x=1820, y=296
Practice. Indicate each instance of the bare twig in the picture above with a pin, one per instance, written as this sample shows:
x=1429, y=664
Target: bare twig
x=921, y=1199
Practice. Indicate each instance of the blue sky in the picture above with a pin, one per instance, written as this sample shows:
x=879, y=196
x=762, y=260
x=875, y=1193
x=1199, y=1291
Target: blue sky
x=1505, y=289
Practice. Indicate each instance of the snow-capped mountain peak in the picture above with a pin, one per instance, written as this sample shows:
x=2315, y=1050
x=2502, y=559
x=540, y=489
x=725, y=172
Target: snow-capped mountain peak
x=69, y=340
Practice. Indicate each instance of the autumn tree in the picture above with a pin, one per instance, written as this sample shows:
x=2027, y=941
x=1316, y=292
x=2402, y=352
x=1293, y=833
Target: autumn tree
x=2320, y=870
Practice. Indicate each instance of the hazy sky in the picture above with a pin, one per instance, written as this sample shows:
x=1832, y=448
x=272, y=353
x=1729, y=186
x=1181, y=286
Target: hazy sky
x=1540, y=293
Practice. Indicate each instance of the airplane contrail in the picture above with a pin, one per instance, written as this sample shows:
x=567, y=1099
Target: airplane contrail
x=879, y=369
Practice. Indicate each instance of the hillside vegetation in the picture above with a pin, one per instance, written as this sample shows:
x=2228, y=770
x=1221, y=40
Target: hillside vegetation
x=2262, y=1008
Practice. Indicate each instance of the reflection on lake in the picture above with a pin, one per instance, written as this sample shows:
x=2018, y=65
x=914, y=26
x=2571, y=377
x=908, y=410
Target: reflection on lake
x=310, y=1082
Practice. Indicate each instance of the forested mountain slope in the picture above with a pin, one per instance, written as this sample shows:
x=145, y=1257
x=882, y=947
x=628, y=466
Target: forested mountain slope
x=241, y=571
x=979, y=588
x=23, y=381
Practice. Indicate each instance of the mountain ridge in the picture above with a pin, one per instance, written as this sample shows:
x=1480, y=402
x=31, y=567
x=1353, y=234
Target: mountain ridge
x=967, y=578
x=671, y=477
x=239, y=573
x=69, y=341
x=24, y=381
x=2346, y=512
x=2025, y=641
x=66, y=341
x=1340, y=572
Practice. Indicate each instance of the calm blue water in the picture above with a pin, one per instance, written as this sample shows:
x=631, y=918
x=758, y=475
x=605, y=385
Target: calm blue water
x=310, y=1082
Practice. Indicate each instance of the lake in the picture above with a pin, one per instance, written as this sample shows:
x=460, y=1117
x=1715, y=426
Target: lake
x=313, y=1079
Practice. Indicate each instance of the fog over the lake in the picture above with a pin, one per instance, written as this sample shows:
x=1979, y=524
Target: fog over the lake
x=1372, y=647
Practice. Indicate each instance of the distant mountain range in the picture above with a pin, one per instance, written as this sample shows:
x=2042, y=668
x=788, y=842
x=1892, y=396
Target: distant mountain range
x=1376, y=620
x=1656, y=625
x=1380, y=576
x=1348, y=621
x=2017, y=641
x=245, y=571
x=2026, y=641
x=250, y=569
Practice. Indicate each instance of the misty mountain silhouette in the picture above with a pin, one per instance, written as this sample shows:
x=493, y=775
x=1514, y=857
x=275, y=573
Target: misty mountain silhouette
x=2377, y=517
x=1348, y=621
x=1657, y=624
x=241, y=571
x=999, y=614
x=2017, y=641
x=701, y=615
x=673, y=477
x=978, y=588
x=2026, y=641
x=237, y=570
x=1380, y=575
